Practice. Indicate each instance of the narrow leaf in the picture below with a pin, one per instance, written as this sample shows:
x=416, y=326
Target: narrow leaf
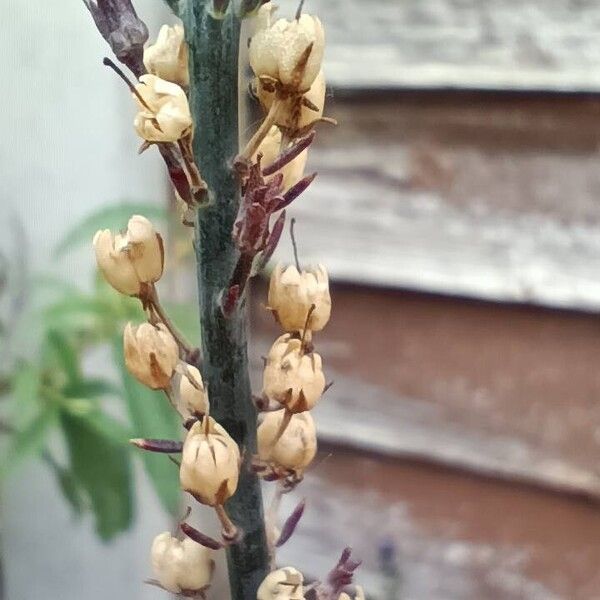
x=102, y=467
x=30, y=440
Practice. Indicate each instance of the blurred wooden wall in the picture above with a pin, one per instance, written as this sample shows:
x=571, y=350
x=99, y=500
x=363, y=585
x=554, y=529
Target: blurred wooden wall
x=458, y=209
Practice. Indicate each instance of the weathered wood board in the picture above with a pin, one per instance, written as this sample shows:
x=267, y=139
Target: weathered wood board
x=455, y=537
x=488, y=195
x=496, y=44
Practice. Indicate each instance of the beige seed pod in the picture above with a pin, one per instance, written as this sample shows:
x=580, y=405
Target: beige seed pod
x=151, y=354
x=297, y=446
x=167, y=58
x=278, y=47
x=181, y=565
x=282, y=584
x=131, y=259
x=210, y=463
x=164, y=116
x=293, y=292
x=191, y=398
x=292, y=377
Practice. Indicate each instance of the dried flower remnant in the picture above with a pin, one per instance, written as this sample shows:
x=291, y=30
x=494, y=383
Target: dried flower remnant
x=167, y=58
x=290, y=52
x=131, y=260
x=164, y=112
x=181, y=566
x=120, y=26
x=293, y=292
x=210, y=464
x=296, y=447
x=297, y=113
x=151, y=354
x=283, y=584
x=286, y=57
x=189, y=394
x=292, y=376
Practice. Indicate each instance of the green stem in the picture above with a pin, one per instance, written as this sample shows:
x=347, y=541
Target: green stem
x=213, y=45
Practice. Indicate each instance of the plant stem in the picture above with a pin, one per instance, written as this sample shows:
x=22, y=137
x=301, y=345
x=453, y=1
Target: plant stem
x=213, y=45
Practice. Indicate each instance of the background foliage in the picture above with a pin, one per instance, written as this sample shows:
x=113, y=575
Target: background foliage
x=57, y=409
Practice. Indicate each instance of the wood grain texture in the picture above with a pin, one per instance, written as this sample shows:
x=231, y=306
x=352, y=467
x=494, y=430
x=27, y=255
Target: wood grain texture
x=486, y=195
x=497, y=44
x=454, y=537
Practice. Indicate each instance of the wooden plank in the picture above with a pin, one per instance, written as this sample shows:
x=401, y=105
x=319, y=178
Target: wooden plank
x=497, y=44
x=486, y=195
x=452, y=537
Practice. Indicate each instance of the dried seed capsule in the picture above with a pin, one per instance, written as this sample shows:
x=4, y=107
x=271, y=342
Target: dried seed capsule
x=297, y=446
x=164, y=115
x=151, y=354
x=191, y=398
x=293, y=377
x=278, y=48
x=167, y=58
x=181, y=565
x=292, y=293
x=131, y=259
x=210, y=463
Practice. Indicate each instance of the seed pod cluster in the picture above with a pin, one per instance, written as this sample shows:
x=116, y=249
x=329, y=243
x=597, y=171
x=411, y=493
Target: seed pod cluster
x=293, y=374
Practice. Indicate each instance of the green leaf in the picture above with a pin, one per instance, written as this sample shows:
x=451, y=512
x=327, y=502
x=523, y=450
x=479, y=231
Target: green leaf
x=102, y=467
x=71, y=490
x=60, y=353
x=151, y=416
x=29, y=440
x=113, y=217
x=77, y=312
x=92, y=388
x=68, y=484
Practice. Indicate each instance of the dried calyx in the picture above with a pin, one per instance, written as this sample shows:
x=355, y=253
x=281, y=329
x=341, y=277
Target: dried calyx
x=167, y=58
x=188, y=393
x=163, y=110
x=210, y=464
x=292, y=376
x=181, y=566
x=288, y=52
x=286, y=58
x=131, y=260
x=297, y=445
x=292, y=293
x=151, y=354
